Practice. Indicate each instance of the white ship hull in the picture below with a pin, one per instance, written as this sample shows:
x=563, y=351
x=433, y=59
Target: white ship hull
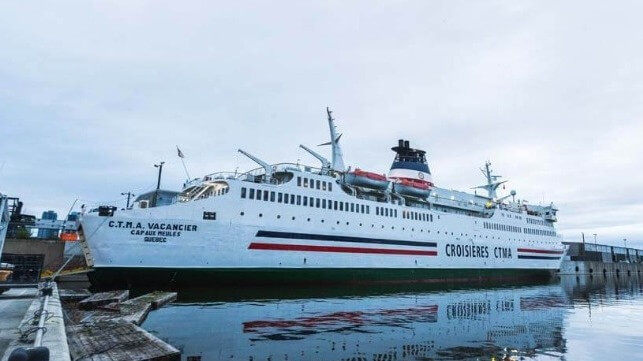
x=273, y=238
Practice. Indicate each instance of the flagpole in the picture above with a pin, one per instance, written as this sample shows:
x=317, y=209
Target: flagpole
x=183, y=162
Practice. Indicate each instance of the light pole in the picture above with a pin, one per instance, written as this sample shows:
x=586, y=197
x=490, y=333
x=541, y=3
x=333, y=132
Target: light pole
x=594, y=239
x=158, y=183
x=128, y=194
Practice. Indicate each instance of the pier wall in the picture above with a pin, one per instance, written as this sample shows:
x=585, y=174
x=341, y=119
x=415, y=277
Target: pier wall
x=621, y=269
x=53, y=250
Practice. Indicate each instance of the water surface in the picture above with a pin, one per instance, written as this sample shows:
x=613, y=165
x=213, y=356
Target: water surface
x=593, y=318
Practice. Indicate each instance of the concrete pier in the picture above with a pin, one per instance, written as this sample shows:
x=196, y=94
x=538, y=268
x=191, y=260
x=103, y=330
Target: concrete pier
x=595, y=259
x=14, y=304
x=55, y=337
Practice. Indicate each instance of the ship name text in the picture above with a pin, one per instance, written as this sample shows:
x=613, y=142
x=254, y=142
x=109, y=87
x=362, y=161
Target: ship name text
x=471, y=251
x=154, y=232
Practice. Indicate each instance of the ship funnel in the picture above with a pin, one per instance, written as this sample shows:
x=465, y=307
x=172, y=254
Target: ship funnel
x=407, y=144
x=400, y=143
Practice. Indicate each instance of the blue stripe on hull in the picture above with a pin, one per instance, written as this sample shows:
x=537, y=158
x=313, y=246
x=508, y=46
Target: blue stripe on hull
x=537, y=257
x=333, y=238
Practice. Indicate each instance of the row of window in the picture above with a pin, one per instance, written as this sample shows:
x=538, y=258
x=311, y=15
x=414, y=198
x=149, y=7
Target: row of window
x=418, y=216
x=509, y=215
x=385, y=212
x=510, y=228
x=279, y=197
x=314, y=184
x=540, y=232
x=502, y=227
x=538, y=222
x=213, y=193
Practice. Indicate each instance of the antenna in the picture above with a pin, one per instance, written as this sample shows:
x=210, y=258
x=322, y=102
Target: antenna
x=338, y=156
x=492, y=181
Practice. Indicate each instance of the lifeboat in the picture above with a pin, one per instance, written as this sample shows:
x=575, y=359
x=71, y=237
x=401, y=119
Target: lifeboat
x=412, y=187
x=362, y=178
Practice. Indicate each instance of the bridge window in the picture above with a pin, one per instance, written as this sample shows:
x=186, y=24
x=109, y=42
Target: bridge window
x=318, y=186
x=298, y=181
x=280, y=197
x=298, y=200
x=272, y=196
x=243, y=192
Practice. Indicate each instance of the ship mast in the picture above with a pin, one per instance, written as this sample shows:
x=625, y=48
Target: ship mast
x=492, y=181
x=338, y=155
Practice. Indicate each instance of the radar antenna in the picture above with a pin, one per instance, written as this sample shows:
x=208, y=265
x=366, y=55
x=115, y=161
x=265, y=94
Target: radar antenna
x=492, y=181
x=338, y=156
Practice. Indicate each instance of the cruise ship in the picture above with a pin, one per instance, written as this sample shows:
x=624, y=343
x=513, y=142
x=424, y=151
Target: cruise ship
x=292, y=223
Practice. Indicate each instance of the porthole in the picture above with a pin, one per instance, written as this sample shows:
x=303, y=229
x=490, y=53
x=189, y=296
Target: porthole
x=242, y=213
x=260, y=215
x=293, y=218
x=347, y=223
x=322, y=221
x=308, y=219
x=337, y=222
x=278, y=216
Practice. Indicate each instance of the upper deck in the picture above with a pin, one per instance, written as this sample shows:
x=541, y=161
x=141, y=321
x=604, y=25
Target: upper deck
x=440, y=199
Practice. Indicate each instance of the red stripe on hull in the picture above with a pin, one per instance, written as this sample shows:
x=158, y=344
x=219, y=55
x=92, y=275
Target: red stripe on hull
x=298, y=247
x=539, y=251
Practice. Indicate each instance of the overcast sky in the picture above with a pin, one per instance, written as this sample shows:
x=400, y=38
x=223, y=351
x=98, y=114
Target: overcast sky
x=92, y=94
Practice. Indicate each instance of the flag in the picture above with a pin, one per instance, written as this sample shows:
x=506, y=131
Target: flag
x=180, y=154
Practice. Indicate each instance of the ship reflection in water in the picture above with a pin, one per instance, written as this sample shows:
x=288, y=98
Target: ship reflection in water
x=577, y=318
